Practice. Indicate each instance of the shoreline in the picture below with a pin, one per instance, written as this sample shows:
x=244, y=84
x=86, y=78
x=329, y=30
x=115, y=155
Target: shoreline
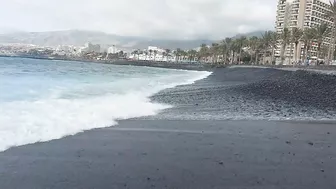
x=180, y=65
x=253, y=94
x=168, y=65
x=191, y=145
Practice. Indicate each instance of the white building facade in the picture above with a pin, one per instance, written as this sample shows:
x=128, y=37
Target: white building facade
x=68, y=50
x=112, y=49
x=153, y=53
x=89, y=47
x=301, y=14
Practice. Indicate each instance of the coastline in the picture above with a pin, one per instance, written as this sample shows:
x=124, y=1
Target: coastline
x=168, y=65
x=180, y=65
x=193, y=144
x=253, y=94
x=185, y=66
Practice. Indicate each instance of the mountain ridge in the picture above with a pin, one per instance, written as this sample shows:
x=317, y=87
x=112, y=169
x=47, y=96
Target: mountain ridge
x=80, y=37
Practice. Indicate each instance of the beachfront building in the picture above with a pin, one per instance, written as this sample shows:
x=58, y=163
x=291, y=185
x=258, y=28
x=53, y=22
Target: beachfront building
x=152, y=53
x=157, y=49
x=112, y=50
x=89, y=47
x=301, y=14
x=67, y=50
x=155, y=53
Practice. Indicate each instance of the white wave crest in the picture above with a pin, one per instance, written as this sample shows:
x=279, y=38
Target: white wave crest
x=26, y=122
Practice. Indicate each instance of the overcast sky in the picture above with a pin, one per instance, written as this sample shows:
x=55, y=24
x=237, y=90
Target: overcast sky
x=151, y=18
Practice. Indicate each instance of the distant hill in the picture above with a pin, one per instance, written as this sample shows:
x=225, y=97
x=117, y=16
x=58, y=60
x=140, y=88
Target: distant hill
x=80, y=37
x=70, y=37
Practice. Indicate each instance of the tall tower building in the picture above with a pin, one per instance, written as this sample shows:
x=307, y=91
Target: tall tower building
x=301, y=14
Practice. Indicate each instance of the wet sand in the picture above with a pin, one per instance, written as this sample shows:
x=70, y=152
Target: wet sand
x=222, y=133
x=179, y=154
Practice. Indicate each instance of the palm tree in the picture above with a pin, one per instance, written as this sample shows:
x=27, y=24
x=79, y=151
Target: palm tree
x=155, y=53
x=241, y=42
x=146, y=54
x=332, y=16
x=164, y=54
x=235, y=48
x=324, y=50
x=203, y=52
x=274, y=40
x=192, y=54
x=121, y=54
x=266, y=43
x=189, y=55
x=228, y=42
x=322, y=31
x=175, y=55
x=183, y=54
x=223, y=46
x=309, y=35
x=285, y=39
x=150, y=53
x=167, y=53
x=225, y=49
x=296, y=36
x=214, y=52
x=139, y=52
x=178, y=54
x=135, y=53
x=254, y=44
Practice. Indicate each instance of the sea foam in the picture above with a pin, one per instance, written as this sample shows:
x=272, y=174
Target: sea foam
x=63, y=114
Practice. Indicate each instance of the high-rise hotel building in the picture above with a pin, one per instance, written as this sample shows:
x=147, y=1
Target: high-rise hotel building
x=302, y=14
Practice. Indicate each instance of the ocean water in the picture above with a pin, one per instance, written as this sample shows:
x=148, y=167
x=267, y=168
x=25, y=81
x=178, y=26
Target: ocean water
x=41, y=100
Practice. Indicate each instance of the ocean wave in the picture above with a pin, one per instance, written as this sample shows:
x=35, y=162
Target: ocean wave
x=30, y=121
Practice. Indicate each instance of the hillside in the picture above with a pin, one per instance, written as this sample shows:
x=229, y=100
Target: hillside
x=79, y=38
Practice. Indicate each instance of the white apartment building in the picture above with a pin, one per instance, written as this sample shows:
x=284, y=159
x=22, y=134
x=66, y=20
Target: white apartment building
x=67, y=50
x=302, y=14
x=158, y=56
x=157, y=49
x=112, y=49
x=89, y=47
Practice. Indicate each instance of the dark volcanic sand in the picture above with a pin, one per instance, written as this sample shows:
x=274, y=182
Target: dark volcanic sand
x=195, y=144
x=254, y=94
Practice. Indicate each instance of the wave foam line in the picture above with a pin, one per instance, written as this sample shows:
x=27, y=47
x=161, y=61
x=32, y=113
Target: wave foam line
x=26, y=122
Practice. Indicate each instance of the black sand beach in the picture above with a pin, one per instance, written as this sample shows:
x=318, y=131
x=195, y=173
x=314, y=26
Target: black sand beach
x=239, y=128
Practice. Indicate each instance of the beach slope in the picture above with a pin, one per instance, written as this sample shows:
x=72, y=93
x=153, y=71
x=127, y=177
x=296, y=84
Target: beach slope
x=238, y=128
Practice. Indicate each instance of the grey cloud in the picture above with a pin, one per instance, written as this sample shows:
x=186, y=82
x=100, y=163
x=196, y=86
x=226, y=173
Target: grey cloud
x=151, y=18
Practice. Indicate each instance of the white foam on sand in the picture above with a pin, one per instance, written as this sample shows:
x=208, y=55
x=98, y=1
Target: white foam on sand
x=26, y=122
